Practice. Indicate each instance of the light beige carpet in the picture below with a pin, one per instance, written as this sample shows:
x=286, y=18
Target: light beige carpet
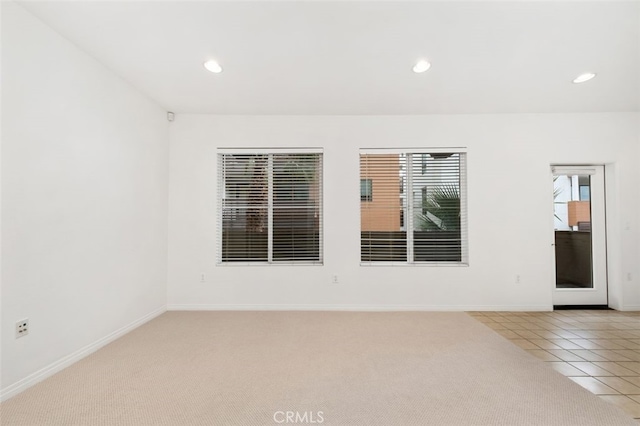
x=333, y=368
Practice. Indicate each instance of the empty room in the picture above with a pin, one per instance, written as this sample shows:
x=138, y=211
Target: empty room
x=320, y=212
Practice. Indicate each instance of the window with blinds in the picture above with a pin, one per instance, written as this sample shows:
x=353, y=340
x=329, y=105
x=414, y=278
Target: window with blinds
x=416, y=212
x=271, y=207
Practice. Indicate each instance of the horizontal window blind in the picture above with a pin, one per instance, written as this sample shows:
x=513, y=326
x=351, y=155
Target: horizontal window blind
x=418, y=208
x=271, y=207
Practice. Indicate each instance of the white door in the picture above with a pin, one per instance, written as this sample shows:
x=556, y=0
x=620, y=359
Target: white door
x=579, y=238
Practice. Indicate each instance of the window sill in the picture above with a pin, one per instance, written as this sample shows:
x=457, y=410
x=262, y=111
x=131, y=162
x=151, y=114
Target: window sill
x=418, y=264
x=232, y=264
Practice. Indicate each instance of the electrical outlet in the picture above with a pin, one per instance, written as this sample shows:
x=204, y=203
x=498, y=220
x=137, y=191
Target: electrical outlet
x=629, y=276
x=202, y=278
x=334, y=279
x=22, y=328
x=517, y=279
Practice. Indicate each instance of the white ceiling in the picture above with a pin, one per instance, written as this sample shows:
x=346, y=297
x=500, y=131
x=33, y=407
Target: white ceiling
x=324, y=57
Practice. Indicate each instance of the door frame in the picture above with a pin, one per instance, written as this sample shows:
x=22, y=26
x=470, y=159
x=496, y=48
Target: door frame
x=595, y=296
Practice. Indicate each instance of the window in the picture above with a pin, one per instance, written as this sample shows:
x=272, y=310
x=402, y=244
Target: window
x=270, y=207
x=366, y=190
x=418, y=214
x=584, y=193
x=584, y=186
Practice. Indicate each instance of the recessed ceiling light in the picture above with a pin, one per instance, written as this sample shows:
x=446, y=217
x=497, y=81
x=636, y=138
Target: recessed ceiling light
x=213, y=66
x=584, y=77
x=421, y=66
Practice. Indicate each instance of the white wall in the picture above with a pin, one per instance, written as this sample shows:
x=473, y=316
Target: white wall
x=84, y=202
x=510, y=211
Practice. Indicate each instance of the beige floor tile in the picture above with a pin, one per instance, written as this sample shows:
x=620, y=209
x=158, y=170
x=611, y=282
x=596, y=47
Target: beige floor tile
x=547, y=334
x=567, y=369
x=514, y=318
x=565, y=355
x=609, y=355
x=606, y=344
x=591, y=369
x=543, y=355
x=555, y=322
x=531, y=326
x=599, y=326
x=547, y=328
x=544, y=344
x=598, y=334
x=594, y=386
x=631, y=365
x=583, y=334
x=624, y=325
x=603, y=334
x=600, y=350
x=630, y=406
x=509, y=334
x=572, y=327
x=586, y=344
x=493, y=317
x=565, y=344
x=633, y=379
x=566, y=334
x=513, y=326
x=499, y=318
x=627, y=344
x=625, y=334
x=620, y=385
x=587, y=355
x=629, y=353
x=615, y=369
x=524, y=344
x=527, y=334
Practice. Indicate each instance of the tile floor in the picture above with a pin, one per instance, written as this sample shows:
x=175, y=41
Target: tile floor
x=598, y=349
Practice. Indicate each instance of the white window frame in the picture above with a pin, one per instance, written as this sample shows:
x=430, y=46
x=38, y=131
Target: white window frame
x=408, y=221
x=220, y=184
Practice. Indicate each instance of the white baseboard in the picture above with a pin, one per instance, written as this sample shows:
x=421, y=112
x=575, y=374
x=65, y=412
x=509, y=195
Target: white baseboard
x=357, y=308
x=63, y=363
x=629, y=308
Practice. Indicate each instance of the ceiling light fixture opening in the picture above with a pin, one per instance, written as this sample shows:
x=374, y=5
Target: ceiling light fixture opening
x=213, y=66
x=584, y=77
x=421, y=66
